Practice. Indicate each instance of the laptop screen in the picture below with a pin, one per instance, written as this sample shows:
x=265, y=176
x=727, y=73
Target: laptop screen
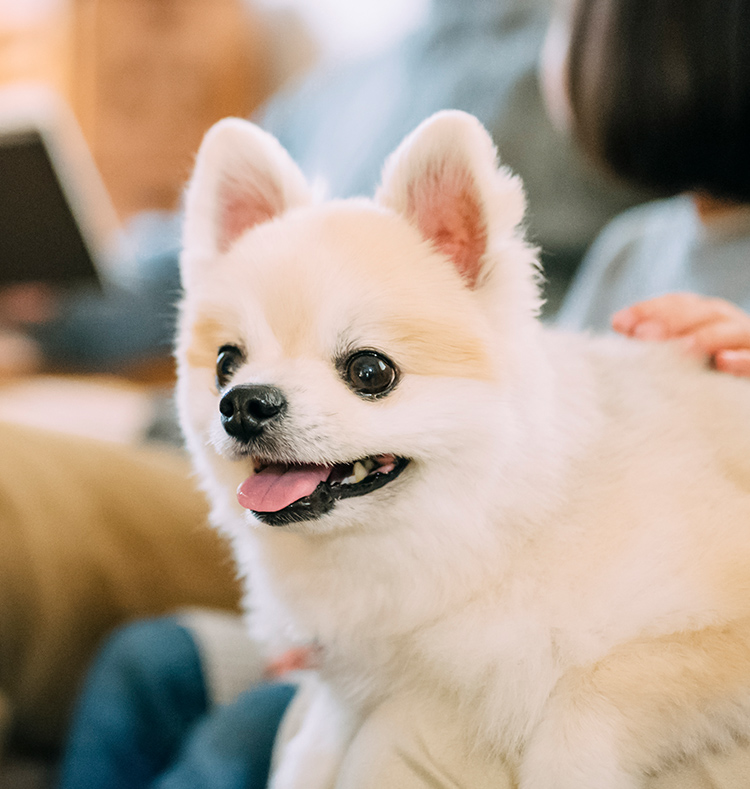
x=39, y=236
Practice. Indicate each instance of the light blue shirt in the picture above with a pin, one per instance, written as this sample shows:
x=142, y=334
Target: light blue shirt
x=660, y=247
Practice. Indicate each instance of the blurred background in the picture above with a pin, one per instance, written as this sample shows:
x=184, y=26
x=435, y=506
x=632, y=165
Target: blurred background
x=146, y=78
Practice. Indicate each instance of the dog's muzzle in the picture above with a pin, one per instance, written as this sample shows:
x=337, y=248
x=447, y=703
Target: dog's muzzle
x=248, y=408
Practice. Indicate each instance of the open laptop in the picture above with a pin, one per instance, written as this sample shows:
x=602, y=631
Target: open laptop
x=56, y=217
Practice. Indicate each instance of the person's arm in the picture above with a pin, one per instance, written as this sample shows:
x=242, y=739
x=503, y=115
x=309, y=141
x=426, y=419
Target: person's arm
x=710, y=327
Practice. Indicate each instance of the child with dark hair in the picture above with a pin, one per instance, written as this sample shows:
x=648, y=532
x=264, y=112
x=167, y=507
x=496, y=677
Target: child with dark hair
x=658, y=93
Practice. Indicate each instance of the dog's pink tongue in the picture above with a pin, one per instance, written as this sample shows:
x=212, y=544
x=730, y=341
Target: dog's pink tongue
x=277, y=486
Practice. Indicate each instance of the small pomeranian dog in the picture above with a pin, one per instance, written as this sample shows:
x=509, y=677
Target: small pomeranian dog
x=443, y=495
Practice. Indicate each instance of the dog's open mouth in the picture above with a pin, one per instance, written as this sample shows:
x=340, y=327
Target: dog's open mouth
x=281, y=493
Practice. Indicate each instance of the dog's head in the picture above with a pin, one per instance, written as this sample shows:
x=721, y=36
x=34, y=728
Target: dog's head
x=338, y=357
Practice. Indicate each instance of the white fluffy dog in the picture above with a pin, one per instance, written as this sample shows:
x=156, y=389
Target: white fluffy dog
x=442, y=495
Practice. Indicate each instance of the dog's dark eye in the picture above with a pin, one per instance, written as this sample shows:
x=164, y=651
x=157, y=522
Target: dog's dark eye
x=229, y=359
x=370, y=373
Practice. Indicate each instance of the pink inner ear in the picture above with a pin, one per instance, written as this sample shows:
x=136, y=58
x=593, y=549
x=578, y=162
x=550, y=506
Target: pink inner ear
x=242, y=206
x=446, y=206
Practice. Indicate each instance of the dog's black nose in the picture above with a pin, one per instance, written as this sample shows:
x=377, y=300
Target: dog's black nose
x=246, y=409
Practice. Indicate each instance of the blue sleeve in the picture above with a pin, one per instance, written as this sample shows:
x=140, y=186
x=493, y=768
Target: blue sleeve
x=595, y=291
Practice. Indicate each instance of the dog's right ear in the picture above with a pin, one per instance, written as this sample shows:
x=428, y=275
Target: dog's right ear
x=444, y=179
x=242, y=177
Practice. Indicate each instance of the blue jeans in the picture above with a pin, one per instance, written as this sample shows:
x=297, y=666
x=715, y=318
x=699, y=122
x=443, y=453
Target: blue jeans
x=143, y=719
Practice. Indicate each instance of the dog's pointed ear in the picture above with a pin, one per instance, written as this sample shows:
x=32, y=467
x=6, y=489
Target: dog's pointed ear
x=444, y=178
x=242, y=177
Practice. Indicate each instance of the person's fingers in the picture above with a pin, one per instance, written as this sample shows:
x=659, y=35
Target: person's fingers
x=706, y=327
x=19, y=355
x=736, y=362
x=28, y=302
x=721, y=334
x=673, y=315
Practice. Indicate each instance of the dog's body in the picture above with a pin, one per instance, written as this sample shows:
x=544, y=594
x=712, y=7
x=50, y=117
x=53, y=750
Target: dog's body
x=551, y=530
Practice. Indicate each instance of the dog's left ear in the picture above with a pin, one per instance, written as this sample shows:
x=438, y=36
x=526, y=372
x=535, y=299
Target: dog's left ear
x=242, y=177
x=444, y=178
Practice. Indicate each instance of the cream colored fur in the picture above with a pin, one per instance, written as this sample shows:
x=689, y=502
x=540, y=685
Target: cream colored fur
x=567, y=557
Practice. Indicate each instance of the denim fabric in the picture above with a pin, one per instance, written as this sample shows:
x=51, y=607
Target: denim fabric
x=143, y=694
x=144, y=721
x=231, y=748
x=101, y=330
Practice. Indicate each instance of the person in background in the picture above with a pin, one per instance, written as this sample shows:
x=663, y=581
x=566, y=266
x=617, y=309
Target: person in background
x=676, y=122
x=93, y=534
x=708, y=327
x=86, y=329
x=22, y=305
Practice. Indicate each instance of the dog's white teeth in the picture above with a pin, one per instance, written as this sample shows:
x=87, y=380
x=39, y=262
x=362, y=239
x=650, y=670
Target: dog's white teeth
x=360, y=472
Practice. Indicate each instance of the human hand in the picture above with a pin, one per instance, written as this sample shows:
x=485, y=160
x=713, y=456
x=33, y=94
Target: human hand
x=21, y=305
x=709, y=327
x=19, y=354
x=292, y=660
x=27, y=302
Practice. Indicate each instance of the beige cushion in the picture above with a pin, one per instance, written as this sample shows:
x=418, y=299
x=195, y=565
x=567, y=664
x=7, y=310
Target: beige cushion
x=91, y=534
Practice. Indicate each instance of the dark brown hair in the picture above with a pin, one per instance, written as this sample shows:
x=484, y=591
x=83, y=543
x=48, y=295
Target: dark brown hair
x=660, y=92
